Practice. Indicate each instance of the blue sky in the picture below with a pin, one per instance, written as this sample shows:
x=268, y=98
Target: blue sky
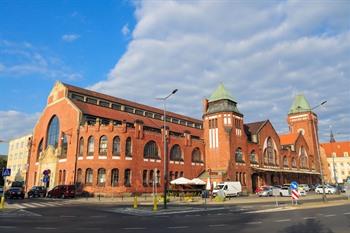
x=265, y=52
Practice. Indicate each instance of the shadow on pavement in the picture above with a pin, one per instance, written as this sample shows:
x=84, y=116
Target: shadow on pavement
x=311, y=226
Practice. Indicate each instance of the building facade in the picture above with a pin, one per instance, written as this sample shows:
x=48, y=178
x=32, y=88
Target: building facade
x=17, y=160
x=338, y=161
x=110, y=145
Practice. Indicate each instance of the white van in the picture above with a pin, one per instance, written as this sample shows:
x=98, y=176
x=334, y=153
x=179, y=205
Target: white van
x=229, y=189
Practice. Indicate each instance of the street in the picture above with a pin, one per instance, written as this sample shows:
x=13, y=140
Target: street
x=85, y=217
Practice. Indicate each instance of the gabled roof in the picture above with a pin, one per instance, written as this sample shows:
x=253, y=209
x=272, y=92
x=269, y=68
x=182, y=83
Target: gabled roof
x=336, y=147
x=220, y=94
x=300, y=104
x=255, y=127
x=288, y=139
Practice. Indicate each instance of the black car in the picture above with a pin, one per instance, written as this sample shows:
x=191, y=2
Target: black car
x=14, y=192
x=37, y=191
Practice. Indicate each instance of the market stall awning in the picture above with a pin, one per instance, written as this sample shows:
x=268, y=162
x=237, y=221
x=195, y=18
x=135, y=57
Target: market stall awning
x=285, y=171
x=197, y=181
x=180, y=181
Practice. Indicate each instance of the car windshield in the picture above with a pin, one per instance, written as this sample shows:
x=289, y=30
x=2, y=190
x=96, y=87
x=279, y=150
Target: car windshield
x=219, y=186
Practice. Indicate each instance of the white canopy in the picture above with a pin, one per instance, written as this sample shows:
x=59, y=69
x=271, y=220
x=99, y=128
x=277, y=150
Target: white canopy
x=197, y=181
x=181, y=180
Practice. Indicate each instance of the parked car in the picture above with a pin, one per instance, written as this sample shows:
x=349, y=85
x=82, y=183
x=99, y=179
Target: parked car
x=265, y=192
x=304, y=187
x=62, y=191
x=37, y=191
x=285, y=191
x=327, y=189
x=14, y=192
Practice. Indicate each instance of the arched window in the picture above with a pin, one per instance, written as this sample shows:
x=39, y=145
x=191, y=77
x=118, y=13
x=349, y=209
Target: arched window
x=79, y=175
x=158, y=177
x=252, y=157
x=64, y=146
x=151, y=177
x=176, y=175
x=269, y=155
x=115, y=177
x=116, y=146
x=181, y=174
x=144, y=177
x=196, y=156
x=64, y=177
x=127, y=177
x=81, y=147
x=103, y=145
x=91, y=146
x=303, y=158
x=175, y=153
x=60, y=177
x=53, y=132
x=294, y=162
x=285, y=161
x=150, y=151
x=88, y=176
x=40, y=149
x=239, y=155
x=101, y=176
x=128, y=147
x=171, y=176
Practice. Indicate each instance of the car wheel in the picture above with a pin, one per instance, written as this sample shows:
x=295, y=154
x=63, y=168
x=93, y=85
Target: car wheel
x=281, y=194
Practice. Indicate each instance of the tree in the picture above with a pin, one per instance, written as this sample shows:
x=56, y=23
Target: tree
x=3, y=163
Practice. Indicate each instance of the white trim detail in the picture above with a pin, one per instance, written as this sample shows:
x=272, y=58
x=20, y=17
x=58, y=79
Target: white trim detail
x=115, y=157
x=102, y=157
x=80, y=158
x=128, y=158
x=90, y=157
x=62, y=160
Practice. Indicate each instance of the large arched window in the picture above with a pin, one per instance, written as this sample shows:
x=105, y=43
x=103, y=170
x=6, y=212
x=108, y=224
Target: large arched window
x=81, y=147
x=285, y=161
x=64, y=177
x=303, y=158
x=175, y=153
x=252, y=157
x=91, y=146
x=101, y=176
x=196, y=156
x=144, y=178
x=150, y=150
x=294, y=162
x=239, y=155
x=115, y=177
x=103, y=145
x=53, y=132
x=127, y=177
x=64, y=146
x=116, y=146
x=270, y=154
x=128, y=147
x=40, y=149
x=79, y=175
x=88, y=176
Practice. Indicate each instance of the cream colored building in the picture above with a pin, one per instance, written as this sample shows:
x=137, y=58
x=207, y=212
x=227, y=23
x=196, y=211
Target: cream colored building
x=17, y=159
x=338, y=160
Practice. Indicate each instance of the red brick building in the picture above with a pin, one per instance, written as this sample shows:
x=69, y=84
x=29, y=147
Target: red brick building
x=111, y=145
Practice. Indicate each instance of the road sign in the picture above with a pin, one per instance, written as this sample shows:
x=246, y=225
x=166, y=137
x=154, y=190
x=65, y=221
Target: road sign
x=46, y=179
x=6, y=172
x=294, y=185
x=295, y=194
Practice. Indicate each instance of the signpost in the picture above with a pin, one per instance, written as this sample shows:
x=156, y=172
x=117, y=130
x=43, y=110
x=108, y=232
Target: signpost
x=5, y=172
x=294, y=192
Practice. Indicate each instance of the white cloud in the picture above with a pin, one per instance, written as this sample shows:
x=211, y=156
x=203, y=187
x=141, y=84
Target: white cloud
x=264, y=52
x=126, y=30
x=70, y=37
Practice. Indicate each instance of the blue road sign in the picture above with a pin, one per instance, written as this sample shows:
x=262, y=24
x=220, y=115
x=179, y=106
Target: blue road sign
x=294, y=185
x=6, y=172
x=46, y=179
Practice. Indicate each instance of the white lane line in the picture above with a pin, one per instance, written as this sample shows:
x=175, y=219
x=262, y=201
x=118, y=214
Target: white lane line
x=18, y=206
x=254, y=223
x=306, y=218
x=98, y=216
x=7, y=227
x=50, y=204
x=347, y=213
x=330, y=215
x=219, y=214
x=67, y=216
x=217, y=225
x=28, y=205
x=283, y=220
x=38, y=204
x=178, y=227
x=45, y=228
x=134, y=228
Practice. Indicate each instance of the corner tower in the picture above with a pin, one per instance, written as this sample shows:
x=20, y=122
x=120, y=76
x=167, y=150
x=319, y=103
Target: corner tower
x=301, y=119
x=223, y=132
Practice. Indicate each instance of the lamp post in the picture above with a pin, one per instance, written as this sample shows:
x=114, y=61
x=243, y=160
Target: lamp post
x=165, y=146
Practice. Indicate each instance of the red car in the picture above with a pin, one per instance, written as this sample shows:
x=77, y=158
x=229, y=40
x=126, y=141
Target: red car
x=62, y=191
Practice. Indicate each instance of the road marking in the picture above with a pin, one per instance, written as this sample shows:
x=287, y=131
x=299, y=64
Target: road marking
x=217, y=225
x=347, y=213
x=98, y=216
x=219, y=214
x=67, y=216
x=254, y=223
x=178, y=227
x=46, y=228
x=283, y=220
x=134, y=228
x=7, y=227
x=330, y=215
x=18, y=206
x=38, y=204
x=306, y=218
x=28, y=205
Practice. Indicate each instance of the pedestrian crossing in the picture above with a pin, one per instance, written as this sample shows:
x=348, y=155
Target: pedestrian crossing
x=30, y=205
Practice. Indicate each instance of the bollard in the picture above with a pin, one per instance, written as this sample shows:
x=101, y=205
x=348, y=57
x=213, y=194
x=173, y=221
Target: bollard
x=2, y=203
x=135, y=202
x=155, y=203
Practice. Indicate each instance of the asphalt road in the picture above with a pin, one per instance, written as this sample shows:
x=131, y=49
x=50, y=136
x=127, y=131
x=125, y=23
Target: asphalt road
x=99, y=218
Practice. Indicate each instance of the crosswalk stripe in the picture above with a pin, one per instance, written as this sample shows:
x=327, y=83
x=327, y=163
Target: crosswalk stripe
x=28, y=205
x=38, y=204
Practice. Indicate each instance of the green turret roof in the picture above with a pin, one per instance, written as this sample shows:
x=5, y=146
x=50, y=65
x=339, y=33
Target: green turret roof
x=300, y=104
x=220, y=94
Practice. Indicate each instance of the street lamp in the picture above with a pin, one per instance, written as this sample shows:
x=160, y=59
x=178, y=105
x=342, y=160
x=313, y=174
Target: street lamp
x=165, y=146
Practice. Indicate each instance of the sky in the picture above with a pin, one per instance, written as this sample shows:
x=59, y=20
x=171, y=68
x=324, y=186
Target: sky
x=264, y=52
